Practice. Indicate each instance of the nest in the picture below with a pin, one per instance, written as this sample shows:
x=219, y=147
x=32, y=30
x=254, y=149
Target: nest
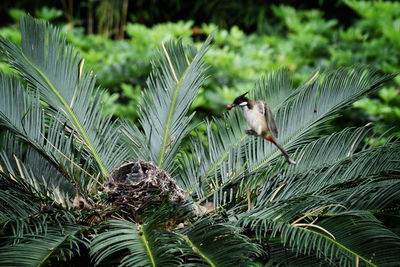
x=137, y=186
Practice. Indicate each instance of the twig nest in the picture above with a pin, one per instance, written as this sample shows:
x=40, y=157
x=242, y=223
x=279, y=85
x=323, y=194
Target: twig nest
x=138, y=185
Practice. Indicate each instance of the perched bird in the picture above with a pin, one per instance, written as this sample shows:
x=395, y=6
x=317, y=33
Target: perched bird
x=136, y=173
x=260, y=120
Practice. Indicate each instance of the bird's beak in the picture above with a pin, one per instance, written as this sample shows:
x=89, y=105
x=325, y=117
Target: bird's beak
x=230, y=106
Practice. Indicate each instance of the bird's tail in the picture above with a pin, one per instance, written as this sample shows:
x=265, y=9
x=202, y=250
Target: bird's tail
x=287, y=156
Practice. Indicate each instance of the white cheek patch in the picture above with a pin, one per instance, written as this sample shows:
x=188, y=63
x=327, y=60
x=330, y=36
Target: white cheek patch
x=243, y=104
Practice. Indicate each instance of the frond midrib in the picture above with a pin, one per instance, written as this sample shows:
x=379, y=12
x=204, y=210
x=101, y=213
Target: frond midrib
x=48, y=255
x=71, y=113
x=169, y=120
x=147, y=246
x=197, y=250
x=340, y=245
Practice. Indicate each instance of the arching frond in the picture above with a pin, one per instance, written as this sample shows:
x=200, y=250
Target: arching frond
x=218, y=244
x=361, y=168
x=172, y=87
x=51, y=66
x=136, y=245
x=355, y=238
x=38, y=250
x=378, y=195
x=50, y=142
x=207, y=242
x=305, y=207
x=17, y=175
x=15, y=205
x=280, y=255
x=311, y=226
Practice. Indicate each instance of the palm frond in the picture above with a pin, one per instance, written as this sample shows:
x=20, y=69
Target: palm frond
x=30, y=204
x=280, y=255
x=354, y=238
x=47, y=63
x=20, y=112
x=21, y=177
x=311, y=225
x=206, y=163
x=30, y=123
x=363, y=167
x=37, y=172
x=134, y=245
x=376, y=195
x=206, y=242
x=313, y=158
x=306, y=207
x=275, y=88
x=172, y=87
x=329, y=149
x=15, y=205
x=218, y=244
x=38, y=250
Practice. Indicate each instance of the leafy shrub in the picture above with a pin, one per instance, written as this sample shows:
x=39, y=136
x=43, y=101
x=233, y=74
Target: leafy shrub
x=300, y=41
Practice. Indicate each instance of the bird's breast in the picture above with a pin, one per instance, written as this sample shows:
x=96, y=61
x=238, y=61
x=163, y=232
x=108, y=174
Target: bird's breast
x=255, y=120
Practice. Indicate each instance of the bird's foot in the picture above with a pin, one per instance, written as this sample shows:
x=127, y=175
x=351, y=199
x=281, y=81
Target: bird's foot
x=251, y=132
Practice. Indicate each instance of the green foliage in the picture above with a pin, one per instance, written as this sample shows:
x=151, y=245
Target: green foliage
x=299, y=41
x=48, y=14
x=244, y=205
x=56, y=243
x=207, y=242
x=383, y=110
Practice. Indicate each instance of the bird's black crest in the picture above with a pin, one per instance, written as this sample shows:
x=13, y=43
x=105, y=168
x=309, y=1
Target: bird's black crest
x=240, y=99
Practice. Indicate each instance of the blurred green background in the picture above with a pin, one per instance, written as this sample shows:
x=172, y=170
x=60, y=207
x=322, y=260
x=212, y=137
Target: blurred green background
x=117, y=40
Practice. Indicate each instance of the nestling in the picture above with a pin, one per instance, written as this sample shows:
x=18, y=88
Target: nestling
x=260, y=120
x=136, y=173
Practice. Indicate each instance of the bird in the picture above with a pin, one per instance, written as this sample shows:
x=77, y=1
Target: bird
x=136, y=173
x=259, y=118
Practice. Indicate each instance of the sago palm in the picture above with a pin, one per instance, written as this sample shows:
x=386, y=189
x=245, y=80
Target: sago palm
x=226, y=199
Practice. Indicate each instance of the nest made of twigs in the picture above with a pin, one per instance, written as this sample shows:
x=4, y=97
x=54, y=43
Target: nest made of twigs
x=150, y=187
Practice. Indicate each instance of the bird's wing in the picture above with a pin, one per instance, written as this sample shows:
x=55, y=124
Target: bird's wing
x=266, y=111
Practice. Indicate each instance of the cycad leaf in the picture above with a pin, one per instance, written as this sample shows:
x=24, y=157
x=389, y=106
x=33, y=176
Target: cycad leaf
x=376, y=196
x=15, y=206
x=172, y=87
x=215, y=243
x=51, y=66
x=37, y=250
x=23, y=116
x=275, y=88
x=49, y=140
x=137, y=247
x=207, y=242
x=361, y=167
x=290, y=201
x=314, y=158
x=357, y=238
x=54, y=189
